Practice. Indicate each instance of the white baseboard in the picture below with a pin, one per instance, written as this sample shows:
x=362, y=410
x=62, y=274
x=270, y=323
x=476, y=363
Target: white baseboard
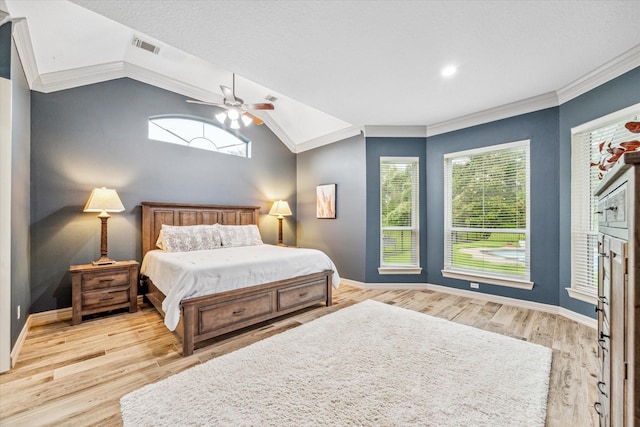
x=15, y=351
x=545, y=308
x=39, y=319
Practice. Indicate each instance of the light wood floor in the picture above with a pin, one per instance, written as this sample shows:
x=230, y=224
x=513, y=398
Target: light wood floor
x=75, y=375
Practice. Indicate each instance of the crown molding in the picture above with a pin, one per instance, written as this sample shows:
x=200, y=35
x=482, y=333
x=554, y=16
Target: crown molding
x=524, y=106
x=69, y=79
x=395, y=131
x=329, y=138
x=279, y=132
x=22, y=40
x=609, y=71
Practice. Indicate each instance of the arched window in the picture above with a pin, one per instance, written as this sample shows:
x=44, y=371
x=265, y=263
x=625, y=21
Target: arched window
x=197, y=132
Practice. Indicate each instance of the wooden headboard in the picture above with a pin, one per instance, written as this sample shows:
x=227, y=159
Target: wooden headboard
x=155, y=214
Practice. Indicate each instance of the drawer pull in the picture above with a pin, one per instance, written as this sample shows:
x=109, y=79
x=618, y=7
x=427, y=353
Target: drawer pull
x=598, y=309
x=611, y=208
x=601, y=344
x=303, y=294
x=239, y=312
x=597, y=406
x=106, y=298
x=603, y=335
x=600, y=390
x=106, y=280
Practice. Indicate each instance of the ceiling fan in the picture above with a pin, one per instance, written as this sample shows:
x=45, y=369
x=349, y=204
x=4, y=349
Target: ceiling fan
x=236, y=108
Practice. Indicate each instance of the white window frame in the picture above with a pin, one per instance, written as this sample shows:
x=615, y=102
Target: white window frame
x=212, y=136
x=583, y=224
x=415, y=221
x=449, y=270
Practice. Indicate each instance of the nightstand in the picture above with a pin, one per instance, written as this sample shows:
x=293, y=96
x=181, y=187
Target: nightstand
x=99, y=288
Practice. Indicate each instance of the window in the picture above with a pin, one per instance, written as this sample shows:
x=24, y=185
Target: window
x=487, y=215
x=399, y=242
x=198, y=133
x=589, y=143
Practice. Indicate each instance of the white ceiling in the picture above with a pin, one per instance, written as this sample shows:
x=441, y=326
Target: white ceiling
x=337, y=66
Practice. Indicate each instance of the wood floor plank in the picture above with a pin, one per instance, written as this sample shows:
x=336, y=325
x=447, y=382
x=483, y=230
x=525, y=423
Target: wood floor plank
x=75, y=375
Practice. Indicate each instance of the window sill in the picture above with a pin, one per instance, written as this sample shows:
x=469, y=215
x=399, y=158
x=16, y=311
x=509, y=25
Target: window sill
x=490, y=280
x=582, y=296
x=399, y=270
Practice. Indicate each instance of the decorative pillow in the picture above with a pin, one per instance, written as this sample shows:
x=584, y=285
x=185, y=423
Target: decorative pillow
x=240, y=235
x=188, y=238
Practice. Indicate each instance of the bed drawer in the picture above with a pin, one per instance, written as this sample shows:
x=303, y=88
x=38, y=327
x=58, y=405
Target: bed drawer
x=304, y=294
x=224, y=314
x=104, y=279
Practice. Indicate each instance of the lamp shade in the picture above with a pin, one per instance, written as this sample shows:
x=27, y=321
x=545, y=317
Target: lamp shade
x=104, y=200
x=280, y=208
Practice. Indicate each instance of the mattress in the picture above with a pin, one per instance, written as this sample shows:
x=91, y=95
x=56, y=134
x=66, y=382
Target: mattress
x=183, y=275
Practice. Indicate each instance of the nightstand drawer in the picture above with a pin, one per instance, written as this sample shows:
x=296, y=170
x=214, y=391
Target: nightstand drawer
x=104, y=279
x=104, y=299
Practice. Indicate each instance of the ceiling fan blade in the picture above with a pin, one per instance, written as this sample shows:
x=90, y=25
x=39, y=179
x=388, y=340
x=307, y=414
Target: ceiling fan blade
x=256, y=120
x=263, y=106
x=228, y=93
x=214, y=104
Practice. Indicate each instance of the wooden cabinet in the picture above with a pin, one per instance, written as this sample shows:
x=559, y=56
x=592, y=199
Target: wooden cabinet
x=618, y=300
x=100, y=288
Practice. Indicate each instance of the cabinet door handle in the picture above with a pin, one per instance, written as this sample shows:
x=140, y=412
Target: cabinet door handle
x=239, y=312
x=603, y=299
x=598, y=309
x=601, y=343
x=597, y=406
x=611, y=208
x=603, y=255
x=603, y=335
x=600, y=383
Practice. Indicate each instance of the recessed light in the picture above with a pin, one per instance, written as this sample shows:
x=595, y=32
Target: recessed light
x=449, y=71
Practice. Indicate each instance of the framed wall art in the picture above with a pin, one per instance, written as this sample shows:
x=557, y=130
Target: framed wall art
x=326, y=201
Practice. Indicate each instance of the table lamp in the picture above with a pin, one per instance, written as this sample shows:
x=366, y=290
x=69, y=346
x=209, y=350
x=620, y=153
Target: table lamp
x=280, y=209
x=103, y=200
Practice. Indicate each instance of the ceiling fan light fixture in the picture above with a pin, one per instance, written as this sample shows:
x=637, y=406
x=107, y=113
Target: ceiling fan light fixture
x=233, y=114
x=221, y=117
x=246, y=120
x=234, y=124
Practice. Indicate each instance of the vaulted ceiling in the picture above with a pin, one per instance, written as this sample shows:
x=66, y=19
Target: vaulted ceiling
x=338, y=66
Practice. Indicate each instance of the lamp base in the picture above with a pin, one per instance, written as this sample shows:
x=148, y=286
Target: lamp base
x=104, y=261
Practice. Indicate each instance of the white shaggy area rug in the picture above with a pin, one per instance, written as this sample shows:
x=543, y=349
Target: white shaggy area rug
x=370, y=364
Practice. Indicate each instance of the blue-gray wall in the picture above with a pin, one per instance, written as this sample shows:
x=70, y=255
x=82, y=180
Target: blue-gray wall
x=541, y=128
x=549, y=132
x=612, y=96
x=342, y=238
x=95, y=136
x=394, y=147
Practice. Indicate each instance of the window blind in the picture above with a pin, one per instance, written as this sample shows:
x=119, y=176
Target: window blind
x=585, y=152
x=487, y=211
x=399, y=199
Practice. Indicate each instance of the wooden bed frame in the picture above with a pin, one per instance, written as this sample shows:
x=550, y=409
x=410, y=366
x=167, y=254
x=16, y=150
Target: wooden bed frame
x=205, y=317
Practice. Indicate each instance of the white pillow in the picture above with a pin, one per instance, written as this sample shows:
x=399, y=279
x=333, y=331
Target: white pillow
x=240, y=235
x=188, y=238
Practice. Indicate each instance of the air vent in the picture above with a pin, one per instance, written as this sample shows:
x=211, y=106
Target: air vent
x=145, y=45
x=271, y=98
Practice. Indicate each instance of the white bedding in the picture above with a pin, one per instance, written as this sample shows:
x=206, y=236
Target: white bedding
x=181, y=275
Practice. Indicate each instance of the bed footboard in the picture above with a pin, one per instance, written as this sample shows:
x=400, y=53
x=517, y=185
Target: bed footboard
x=206, y=317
